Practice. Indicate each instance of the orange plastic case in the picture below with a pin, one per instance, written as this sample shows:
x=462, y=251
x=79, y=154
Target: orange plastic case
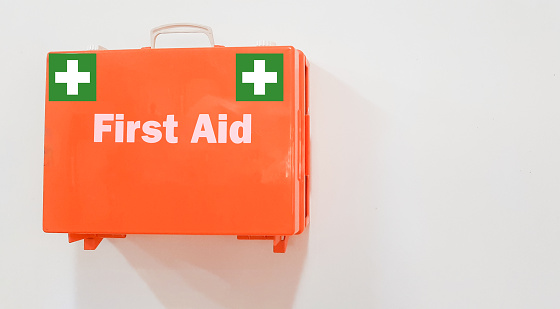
x=168, y=143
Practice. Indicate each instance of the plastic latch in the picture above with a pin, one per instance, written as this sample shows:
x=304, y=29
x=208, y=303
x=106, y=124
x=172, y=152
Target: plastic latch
x=307, y=145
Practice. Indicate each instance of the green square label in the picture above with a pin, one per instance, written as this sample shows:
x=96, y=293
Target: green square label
x=72, y=77
x=259, y=77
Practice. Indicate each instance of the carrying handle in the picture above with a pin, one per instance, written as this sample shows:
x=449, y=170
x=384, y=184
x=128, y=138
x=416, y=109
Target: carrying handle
x=180, y=28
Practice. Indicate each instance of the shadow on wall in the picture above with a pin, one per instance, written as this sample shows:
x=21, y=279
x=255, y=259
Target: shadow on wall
x=216, y=271
x=346, y=191
x=223, y=272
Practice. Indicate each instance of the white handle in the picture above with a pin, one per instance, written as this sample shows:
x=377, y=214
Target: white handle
x=180, y=28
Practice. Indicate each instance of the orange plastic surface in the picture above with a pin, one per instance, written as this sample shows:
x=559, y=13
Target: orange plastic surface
x=256, y=189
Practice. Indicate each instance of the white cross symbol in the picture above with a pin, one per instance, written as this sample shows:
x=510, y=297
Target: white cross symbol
x=259, y=78
x=71, y=77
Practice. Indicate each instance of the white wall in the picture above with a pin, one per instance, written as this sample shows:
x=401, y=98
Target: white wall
x=436, y=160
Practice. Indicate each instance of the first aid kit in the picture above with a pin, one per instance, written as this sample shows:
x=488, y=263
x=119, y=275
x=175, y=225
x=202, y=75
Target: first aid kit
x=183, y=141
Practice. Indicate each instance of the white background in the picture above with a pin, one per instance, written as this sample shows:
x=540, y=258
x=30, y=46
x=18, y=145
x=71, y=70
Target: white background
x=436, y=160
